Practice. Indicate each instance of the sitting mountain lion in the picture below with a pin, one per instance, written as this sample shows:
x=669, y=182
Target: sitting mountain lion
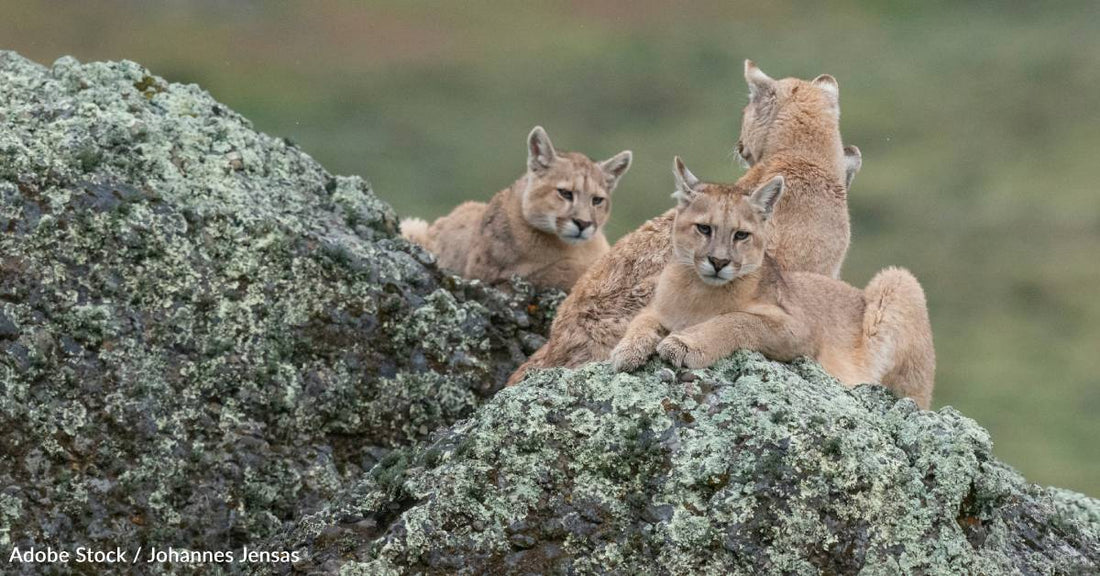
x=547, y=227
x=722, y=291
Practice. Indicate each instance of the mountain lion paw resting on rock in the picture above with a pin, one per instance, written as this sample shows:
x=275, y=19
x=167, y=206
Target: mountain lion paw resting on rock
x=789, y=127
x=547, y=227
x=721, y=292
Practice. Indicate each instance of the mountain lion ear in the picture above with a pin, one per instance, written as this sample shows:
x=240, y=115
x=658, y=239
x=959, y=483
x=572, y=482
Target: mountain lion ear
x=829, y=84
x=616, y=166
x=760, y=84
x=687, y=185
x=540, y=152
x=765, y=197
x=853, y=161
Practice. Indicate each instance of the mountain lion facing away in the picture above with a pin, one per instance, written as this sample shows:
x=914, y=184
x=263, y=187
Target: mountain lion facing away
x=722, y=291
x=547, y=227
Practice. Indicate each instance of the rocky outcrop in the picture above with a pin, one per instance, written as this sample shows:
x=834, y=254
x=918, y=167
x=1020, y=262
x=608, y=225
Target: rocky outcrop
x=207, y=341
x=752, y=467
x=203, y=334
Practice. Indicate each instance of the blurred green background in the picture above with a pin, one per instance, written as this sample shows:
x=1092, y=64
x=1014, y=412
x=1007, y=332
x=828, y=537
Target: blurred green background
x=979, y=126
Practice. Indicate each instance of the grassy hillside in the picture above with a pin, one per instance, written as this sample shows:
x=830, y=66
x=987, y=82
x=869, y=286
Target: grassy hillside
x=979, y=129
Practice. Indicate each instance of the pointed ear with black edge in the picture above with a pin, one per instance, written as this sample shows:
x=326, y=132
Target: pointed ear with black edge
x=540, y=152
x=764, y=198
x=615, y=167
x=853, y=161
x=687, y=185
x=760, y=84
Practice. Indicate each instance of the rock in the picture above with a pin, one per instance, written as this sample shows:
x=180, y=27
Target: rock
x=787, y=472
x=203, y=334
x=8, y=329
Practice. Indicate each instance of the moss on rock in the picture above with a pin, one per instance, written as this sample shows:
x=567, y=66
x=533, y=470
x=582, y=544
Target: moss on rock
x=203, y=334
x=752, y=467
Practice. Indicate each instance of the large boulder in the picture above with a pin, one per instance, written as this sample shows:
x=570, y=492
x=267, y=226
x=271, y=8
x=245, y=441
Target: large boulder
x=752, y=467
x=203, y=334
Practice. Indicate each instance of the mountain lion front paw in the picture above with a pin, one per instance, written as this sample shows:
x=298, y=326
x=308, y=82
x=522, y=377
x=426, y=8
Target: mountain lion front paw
x=678, y=350
x=627, y=356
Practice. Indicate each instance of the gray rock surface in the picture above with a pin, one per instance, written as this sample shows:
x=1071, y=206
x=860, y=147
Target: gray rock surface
x=753, y=467
x=203, y=334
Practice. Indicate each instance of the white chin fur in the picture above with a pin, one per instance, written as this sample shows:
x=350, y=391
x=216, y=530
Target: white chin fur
x=713, y=280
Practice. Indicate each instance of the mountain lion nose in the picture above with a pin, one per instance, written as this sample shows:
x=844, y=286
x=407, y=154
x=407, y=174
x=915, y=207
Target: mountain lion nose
x=718, y=263
x=582, y=224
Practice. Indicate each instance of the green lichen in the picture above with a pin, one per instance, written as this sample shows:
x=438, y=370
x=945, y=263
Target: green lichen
x=590, y=472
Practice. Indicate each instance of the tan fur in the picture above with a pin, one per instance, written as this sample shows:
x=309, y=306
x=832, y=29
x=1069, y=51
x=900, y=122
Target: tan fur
x=415, y=230
x=899, y=335
x=789, y=127
x=547, y=227
x=880, y=334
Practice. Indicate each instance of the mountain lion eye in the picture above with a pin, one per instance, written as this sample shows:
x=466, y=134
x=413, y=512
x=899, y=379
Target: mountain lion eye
x=703, y=229
x=740, y=235
x=596, y=200
x=567, y=194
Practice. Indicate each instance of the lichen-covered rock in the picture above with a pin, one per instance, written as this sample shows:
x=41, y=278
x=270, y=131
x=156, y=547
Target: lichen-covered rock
x=203, y=334
x=751, y=467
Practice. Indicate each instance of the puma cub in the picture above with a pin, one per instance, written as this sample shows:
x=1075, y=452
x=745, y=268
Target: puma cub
x=722, y=291
x=546, y=227
x=789, y=127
